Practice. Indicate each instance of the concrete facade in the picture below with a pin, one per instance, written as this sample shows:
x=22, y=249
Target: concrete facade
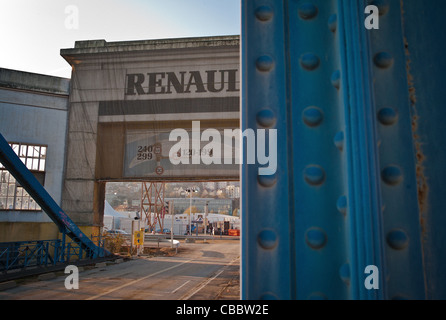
x=34, y=110
x=118, y=90
x=142, y=88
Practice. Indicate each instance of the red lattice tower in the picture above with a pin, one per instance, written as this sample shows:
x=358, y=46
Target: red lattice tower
x=152, y=204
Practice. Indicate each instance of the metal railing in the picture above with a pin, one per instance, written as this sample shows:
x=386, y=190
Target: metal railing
x=42, y=253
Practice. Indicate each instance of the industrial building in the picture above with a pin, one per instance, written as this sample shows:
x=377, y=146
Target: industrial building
x=33, y=119
x=77, y=134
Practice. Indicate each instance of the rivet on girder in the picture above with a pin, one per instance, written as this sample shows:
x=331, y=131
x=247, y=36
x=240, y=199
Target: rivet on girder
x=266, y=118
x=344, y=273
x=339, y=140
x=264, y=63
x=308, y=11
x=336, y=79
x=267, y=239
x=387, y=116
x=312, y=116
x=383, y=60
x=392, y=175
x=309, y=61
x=341, y=205
x=264, y=13
x=314, y=175
x=397, y=239
x=267, y=181
x=316, y=238
x=333, y=22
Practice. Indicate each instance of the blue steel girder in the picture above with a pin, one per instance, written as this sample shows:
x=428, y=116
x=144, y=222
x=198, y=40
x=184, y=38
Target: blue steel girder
x=349, y=190
x=27, y=180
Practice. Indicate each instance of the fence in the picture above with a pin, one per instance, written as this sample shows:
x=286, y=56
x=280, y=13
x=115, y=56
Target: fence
x=42, y=253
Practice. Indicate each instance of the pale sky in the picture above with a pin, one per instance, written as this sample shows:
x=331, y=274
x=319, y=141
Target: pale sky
x=33, y=31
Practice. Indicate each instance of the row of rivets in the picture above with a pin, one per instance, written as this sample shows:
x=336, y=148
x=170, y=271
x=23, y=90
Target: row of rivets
x=265, y=117
x=267, y=239
x=339, y=141
x=392, y=175
x=313, y=116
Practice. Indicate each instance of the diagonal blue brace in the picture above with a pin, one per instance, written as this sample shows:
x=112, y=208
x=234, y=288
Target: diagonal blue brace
x=66, y=226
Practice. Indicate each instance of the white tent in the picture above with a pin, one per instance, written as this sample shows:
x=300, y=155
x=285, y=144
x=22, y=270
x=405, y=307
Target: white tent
x=112, y=218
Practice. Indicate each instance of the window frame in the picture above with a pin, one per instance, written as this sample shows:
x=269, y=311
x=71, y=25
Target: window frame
x=34, y=157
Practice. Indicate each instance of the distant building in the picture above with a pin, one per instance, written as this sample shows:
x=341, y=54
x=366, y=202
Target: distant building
x=209, y=185
x=221, y=206
x=233, y=191
x=33, y=119
x=222, y=184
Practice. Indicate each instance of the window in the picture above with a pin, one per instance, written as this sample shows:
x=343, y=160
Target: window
x=12, y=195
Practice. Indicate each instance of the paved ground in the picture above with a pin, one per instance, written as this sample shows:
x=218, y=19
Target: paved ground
x=199, y=271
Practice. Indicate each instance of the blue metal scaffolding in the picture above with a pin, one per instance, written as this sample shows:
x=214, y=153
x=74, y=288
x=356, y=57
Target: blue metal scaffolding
x=28, y=253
